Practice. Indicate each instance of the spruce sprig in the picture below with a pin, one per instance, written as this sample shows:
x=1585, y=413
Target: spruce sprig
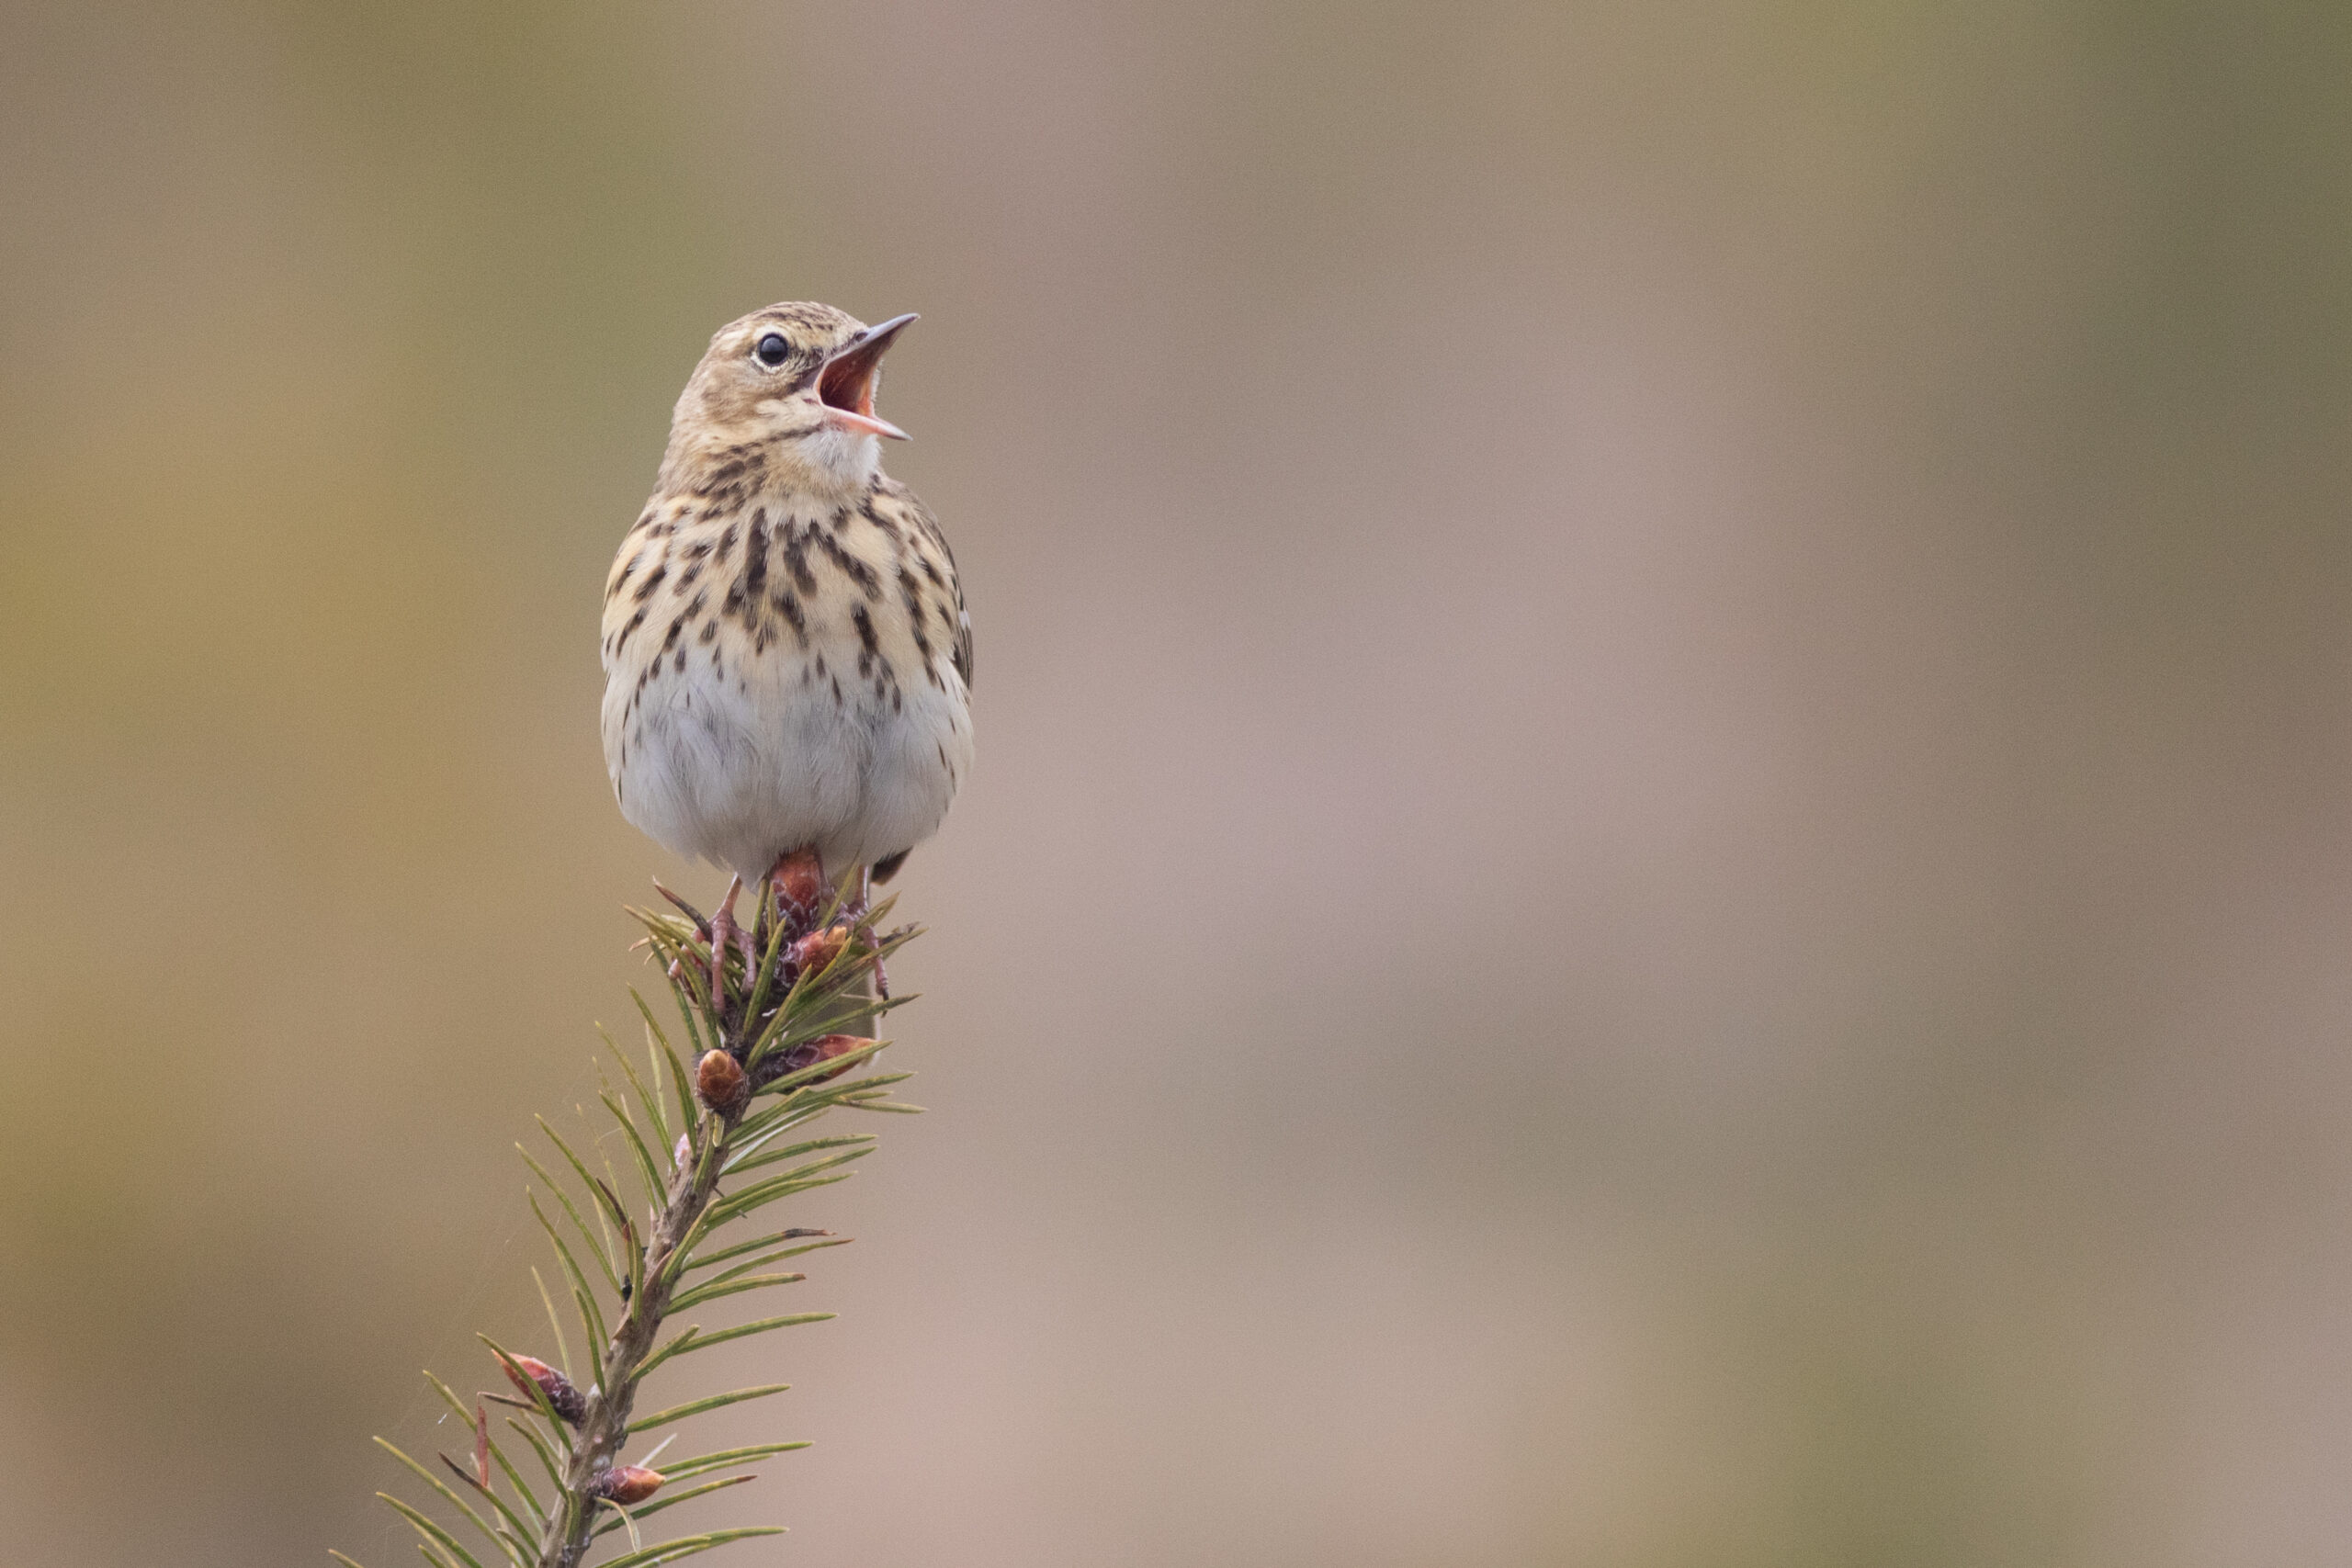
x=775, y=1030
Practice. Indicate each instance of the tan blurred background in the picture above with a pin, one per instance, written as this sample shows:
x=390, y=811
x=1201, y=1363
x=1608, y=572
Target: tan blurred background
x=1662, y=866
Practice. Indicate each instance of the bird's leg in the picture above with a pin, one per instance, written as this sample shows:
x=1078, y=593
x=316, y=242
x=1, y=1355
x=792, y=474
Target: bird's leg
x=747, y=948
x=756, y=939
x=723, y=930
x=865, y=932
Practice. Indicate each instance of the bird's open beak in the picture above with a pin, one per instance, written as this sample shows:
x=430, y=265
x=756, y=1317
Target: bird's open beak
x=845, y=386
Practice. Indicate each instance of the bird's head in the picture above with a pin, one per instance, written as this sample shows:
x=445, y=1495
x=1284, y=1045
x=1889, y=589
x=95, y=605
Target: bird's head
x=797, y=380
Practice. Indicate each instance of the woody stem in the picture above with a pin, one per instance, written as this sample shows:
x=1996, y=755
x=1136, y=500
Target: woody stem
x=605, y=1428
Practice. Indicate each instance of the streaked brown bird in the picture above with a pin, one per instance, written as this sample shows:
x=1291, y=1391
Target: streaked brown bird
x=787, y=658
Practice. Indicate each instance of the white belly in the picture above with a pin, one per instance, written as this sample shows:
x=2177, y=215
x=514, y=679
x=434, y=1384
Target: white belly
x=742, y=768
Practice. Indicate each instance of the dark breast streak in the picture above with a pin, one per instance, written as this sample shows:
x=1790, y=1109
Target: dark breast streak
x=810, y=583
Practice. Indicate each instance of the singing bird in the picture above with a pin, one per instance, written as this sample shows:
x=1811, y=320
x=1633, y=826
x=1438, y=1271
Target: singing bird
x=787, y=658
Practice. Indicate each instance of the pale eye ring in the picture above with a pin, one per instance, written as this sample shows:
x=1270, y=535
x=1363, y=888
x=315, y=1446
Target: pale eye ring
x=772, y=350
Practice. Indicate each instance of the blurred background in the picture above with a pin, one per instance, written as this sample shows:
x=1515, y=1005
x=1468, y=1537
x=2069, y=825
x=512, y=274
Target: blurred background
x=1661, y=871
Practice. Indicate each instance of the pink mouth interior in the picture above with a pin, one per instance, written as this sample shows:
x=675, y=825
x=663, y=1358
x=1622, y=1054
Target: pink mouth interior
x=848, y=382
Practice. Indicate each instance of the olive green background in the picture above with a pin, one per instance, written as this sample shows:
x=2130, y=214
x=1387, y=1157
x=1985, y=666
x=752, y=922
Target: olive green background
x=1661, y=868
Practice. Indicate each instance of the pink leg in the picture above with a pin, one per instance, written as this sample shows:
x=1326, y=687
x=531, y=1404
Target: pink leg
x=865, y=932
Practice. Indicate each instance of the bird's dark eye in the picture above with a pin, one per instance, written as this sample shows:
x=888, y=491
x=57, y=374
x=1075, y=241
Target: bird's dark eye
x=772, y=350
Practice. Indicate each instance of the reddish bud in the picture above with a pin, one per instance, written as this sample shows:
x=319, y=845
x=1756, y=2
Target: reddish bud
x=824, y=1049
x=627, y=1483
x=568, y=1401
x=816, y=950
x=719, y=1078
x=801, y=884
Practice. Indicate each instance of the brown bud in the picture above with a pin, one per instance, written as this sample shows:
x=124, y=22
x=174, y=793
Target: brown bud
x=816, y=950
x=627, y=1483
x=720, y=1079
x=801, y=882
x=824, y=1048
x=568, y=1401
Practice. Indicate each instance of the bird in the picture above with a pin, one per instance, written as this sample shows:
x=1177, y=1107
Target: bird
x=787, y=651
